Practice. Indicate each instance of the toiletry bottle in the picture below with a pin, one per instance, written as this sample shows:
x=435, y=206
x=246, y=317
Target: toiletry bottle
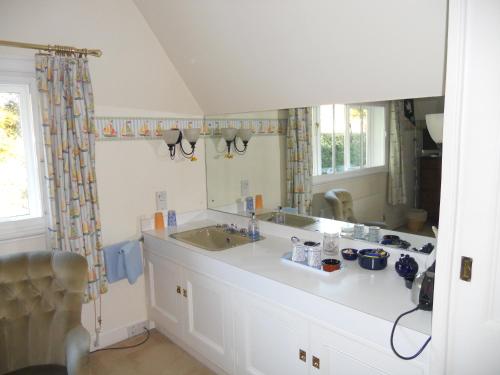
x=253, y=228
x=280, y=216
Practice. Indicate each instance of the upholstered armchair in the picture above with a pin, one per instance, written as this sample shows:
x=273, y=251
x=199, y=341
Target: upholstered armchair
x=341, y=207
x=41, y=295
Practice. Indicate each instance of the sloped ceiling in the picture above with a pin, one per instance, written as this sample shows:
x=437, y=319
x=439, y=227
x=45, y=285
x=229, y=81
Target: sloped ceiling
x=240, y=55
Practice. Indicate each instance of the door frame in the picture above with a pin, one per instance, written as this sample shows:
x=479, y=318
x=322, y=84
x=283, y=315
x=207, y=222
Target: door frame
x=448, y=286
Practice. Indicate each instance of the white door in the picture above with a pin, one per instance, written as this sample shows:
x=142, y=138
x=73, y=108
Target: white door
x=466, y=317
x=269, y=339
x=164, y=293
x=208, y=324
x=335, y=354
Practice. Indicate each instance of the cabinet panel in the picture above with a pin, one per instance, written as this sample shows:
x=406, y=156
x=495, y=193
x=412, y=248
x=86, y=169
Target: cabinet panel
x=165, y=303
x=208, y=319
x=341, y=355
x=268, y=339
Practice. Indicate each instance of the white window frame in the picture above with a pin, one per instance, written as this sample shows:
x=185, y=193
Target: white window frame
x=18, y=74
x=363, y=171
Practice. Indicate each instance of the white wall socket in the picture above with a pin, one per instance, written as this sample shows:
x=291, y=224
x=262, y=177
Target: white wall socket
x=161, y=200
x=245, y=188
x=137, y=329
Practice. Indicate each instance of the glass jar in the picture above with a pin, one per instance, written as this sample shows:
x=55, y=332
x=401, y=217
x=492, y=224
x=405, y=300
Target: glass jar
x=313, y=254
x=331, y=242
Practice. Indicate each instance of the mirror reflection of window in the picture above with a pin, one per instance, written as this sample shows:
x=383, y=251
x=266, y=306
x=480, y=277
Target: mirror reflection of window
x=349, y=137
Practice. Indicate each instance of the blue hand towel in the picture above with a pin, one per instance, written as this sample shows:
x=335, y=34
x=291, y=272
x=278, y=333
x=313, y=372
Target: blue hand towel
x=115, y=269
x=131, y=258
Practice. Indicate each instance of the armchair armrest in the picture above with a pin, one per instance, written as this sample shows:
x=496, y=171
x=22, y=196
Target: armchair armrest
x=380, y=224
x=77, y=351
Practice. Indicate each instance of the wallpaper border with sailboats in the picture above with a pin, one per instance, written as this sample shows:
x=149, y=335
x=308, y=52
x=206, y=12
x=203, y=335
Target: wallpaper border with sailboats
x=128, y=128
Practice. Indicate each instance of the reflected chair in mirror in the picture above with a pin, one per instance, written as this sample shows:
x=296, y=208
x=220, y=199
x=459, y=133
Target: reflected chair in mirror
x=41, y=296
x=337, y=204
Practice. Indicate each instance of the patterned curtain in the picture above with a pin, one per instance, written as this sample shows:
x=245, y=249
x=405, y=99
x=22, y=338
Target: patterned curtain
x=299, y=159
x=396, y=187
x=67, y=106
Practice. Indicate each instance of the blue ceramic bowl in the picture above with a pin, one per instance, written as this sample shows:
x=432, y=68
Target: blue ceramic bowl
x=373, y=259
x=349, y=254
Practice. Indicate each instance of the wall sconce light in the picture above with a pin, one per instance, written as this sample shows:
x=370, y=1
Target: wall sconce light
x=230, y=135
x=174, y=137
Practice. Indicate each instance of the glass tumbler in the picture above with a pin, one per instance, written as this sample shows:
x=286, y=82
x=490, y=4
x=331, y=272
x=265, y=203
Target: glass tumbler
x=331, y=242
x=298, y=250
x=313, y=254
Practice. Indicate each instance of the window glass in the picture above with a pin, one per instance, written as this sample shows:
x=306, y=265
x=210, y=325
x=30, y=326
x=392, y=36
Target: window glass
x=340, y=128
x=350, y=137
x=357, y=142
x=19, y=197
x=326, y=138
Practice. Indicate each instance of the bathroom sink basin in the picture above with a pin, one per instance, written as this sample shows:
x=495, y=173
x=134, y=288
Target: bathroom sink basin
x=211, y=238
x=291, y=220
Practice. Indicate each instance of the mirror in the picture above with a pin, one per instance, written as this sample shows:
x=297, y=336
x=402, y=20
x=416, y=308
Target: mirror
x=370, y=163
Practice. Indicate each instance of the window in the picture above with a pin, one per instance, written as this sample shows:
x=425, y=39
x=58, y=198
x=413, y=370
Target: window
x=20, y=200
x=348, y=137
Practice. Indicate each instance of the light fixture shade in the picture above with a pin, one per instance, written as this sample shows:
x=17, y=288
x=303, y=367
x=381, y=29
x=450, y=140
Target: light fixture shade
x=435, y=126
x=191, y=135
x=229, y=133
x=171, y=136
x=245, y=134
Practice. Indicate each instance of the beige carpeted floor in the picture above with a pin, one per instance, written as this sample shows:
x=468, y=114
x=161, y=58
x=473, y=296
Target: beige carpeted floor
x=158, y=356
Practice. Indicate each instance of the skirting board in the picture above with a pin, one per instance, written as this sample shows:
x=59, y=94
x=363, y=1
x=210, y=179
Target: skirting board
x=111, y=337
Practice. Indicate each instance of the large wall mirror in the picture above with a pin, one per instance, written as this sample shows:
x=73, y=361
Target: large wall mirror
x=373, y=163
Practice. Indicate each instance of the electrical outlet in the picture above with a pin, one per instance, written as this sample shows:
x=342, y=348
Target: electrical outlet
x=137, y=329
x=245, y=188
x=161, y=200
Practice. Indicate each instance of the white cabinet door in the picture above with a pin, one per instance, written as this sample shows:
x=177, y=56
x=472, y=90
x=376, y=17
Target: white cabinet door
x=208, y=319
x=164, y=287
x=269, y=339
x=337, y=354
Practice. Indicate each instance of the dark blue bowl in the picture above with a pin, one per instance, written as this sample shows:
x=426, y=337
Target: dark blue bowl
x=373, y=259
x=349, y=254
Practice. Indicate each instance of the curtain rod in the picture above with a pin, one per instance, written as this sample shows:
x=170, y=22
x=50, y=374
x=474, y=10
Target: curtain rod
x=54, y=48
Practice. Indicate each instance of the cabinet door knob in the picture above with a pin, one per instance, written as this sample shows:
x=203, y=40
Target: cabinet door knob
x=302, y=355
x=178, y=289
x=316, y=362
x=184, y=293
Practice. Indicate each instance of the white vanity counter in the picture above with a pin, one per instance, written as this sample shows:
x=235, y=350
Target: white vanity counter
x=354, y=301
x=378, y=293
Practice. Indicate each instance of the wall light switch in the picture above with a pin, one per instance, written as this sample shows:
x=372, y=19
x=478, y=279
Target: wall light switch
x=245, y=189
x=161, y=200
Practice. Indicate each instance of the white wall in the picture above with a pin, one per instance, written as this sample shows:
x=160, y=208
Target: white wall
x=268, y=115
x=240, y=56
x=128, y=175
x=133, y=74
x=134, y=77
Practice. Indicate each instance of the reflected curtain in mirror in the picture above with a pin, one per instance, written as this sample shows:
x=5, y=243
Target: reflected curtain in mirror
x=67, y=107
x=396, y=187
x=299, y=159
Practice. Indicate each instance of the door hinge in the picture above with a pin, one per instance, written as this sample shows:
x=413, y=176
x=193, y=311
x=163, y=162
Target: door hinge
x=466, y=269
x=178, y=289
x=302, y=355
x=184, y=293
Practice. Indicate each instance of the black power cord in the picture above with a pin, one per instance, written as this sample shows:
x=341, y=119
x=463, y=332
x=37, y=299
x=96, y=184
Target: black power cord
x=148, y=334
x=392, y=337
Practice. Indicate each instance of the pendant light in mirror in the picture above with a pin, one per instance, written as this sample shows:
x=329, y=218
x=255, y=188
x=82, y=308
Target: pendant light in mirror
x=230, y=135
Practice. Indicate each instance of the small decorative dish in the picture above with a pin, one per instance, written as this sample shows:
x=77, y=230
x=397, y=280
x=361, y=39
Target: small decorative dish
x=330, y=265
x=394, y=241
x=349, y=254
x=373, y=259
